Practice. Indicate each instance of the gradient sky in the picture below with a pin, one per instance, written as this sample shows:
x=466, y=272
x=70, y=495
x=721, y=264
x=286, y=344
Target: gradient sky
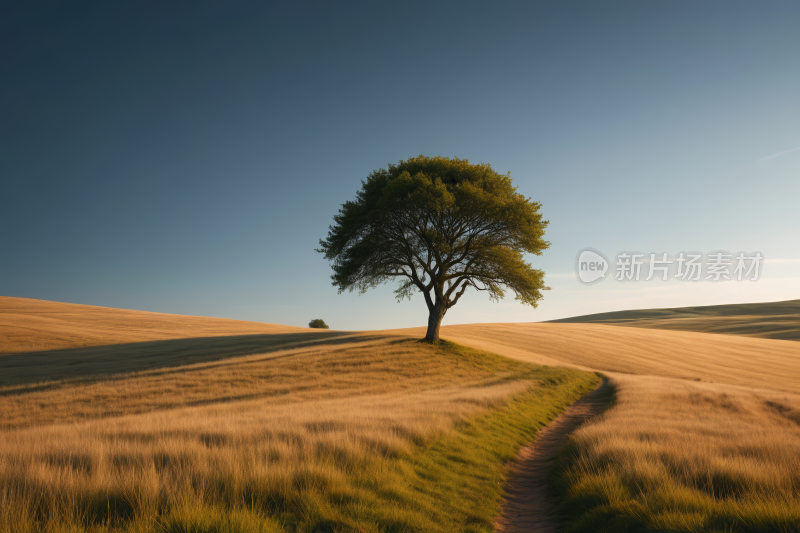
x=186, y=157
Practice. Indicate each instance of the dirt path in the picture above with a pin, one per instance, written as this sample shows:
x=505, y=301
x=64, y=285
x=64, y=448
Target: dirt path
x=528, y=506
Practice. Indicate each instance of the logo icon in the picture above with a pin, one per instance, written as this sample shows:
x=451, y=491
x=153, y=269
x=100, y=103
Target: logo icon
x=591, y=266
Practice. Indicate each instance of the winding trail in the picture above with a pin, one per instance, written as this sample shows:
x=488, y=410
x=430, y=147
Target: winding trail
x=528, y=506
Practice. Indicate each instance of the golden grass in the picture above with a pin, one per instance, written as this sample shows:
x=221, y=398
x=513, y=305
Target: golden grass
x=290, y=375
x=268, y=417
x=28, y=325
x=679, y=454
x=273, y=442
x=96, y=340
x=178, y=427
x=673, y=455
x=220, y=455
x=736, y=360
x=41, y=341
x=768, y=320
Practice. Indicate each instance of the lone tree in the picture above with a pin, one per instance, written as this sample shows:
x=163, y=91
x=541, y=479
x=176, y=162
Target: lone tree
x=318, y=323
x=440, y=226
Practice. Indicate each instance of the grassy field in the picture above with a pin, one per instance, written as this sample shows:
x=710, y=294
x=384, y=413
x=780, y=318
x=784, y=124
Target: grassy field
x=39, y=340
x=678, y=456
x=735, y=360
x=300, y=430
x=373, y=434
x=769, y=320
x=704, y=434
x=28, y=325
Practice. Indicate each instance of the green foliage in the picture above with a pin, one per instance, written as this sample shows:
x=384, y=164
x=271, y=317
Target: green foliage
x=318, y=323
x=440, y=226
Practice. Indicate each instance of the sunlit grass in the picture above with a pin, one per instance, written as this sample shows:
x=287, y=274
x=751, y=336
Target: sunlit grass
x=681, y=456
x=28, y=325
x=402, y=436
x=768, y=320
x=386, y=434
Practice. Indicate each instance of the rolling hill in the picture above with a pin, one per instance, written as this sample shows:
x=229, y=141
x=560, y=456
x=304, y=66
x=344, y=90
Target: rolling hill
x=109, y=414
x=87, y=341
x=732, y=359
x=260, y=428
x=28, y=325
x=770, y=320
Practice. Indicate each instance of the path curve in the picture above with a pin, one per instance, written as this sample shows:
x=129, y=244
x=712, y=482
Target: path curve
x=528, y=506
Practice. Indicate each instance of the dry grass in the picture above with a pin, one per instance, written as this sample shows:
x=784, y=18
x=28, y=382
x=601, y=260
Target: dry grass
x=315, y=373
x=28, y=325
x=295, y=429
x=40, y=341
x=674, y=454
x=678, y=456
x=223, y=455
x=289, y=440
x=736, y=360
x=769, y=320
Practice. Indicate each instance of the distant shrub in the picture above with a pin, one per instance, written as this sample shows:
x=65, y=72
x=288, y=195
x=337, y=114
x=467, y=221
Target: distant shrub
x=318, y=323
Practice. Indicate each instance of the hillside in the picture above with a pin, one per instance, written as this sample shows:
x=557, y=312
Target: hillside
x=98, y=340
x=42, y=340
x=169, y=423
x=769, y=320
x=28, y=325
x=272, y=432
x=736, y=360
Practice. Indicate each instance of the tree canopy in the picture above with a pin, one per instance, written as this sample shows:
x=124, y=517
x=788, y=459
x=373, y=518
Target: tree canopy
x=318, y=323
x=439, y=226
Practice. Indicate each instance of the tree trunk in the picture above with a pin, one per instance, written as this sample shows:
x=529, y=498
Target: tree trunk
x=435, y=322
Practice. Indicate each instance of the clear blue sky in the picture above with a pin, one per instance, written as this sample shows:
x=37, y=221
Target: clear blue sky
x=186, y=157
